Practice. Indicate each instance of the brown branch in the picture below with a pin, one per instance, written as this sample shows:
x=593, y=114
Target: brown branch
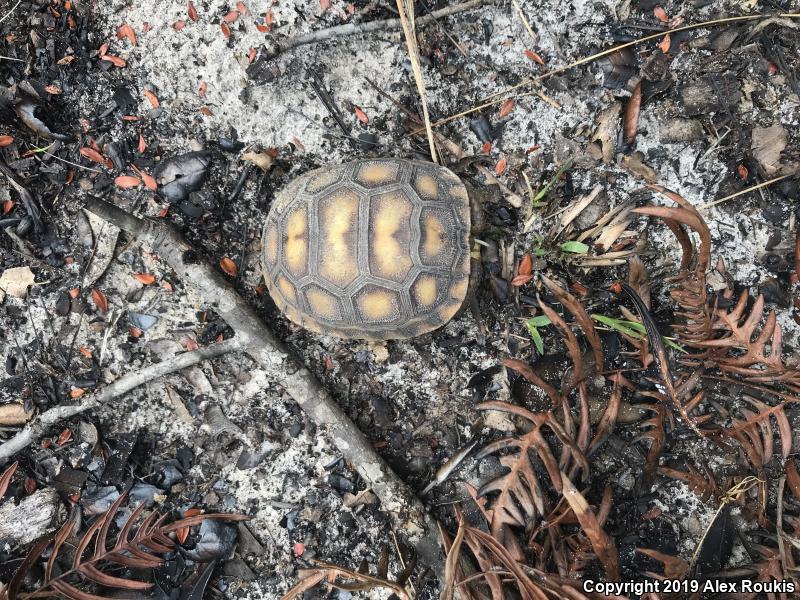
x=121, y=386
x=407, y=512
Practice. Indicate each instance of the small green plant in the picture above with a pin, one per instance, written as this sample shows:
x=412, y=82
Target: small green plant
x=533, y=327
x=574, y=247
x=633, y=329
x=537, y=200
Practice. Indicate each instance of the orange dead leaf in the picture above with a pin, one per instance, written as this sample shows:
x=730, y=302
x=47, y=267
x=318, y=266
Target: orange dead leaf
x=114, y=60
x=127, y=181
x=298, y=549
x=742, y=171
x=145, y=278
x=151, y=98
x=167, y=286
x=76, y=392
x=520, y=280
x=135, y=332
x=525, y=265
x=7, y=206
x=630, y=120
x=130, y=118
x=85, y=351
x=242, y=8
x=204, y=110
x=486, y=148
x=231, y=16
x=500, y=167
x=226, y=31
x=534, y=57
x=661, y=14
x=93, y=155
x=191, y=11
x=6, y=140
x=664, y=44
x=178, y=25
x=66, y=435
x=126, y=31
x=75, y=292
x=191, y=344
x=506, y=107
x=183, y=532
x=201, y=91
x=251, y=55
x=66, y=59
x=146, y=27
x=324, y=4
x=100, y=300
x=149, y=181
x=103, y=49
x=142, y=146
x=362, y=116
x=227, y=265
x=53, y=89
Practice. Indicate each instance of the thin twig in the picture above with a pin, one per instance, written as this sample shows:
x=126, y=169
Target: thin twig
x=406, y=8
x=752, y=188
x=382, y=25
x=730, y=496
x=9, y=13
x=121, y=386
x=524, y=20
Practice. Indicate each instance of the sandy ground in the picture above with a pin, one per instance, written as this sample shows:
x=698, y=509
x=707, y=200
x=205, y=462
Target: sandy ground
x=412, y=397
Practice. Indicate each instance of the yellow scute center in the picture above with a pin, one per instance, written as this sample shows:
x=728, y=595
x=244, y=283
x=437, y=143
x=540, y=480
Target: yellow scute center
x=338, y=224
x=427, y=186
x=271, y=244
x=425, y=290
x=434, y=235
x=322, y=304
x=390, y=231
x=287, y=289
x=376, y=305
x=296, y=246
x=376, y=173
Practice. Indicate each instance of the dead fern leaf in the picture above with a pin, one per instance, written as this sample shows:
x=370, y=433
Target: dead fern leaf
x=520, y=494
x=755, y=435
x=602, y=544
x=674, y=566
x=741, y=331
x=689, y=291
x=351, y=581
x=137, y=546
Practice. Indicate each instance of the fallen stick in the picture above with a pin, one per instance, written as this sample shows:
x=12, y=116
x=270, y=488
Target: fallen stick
x=360, y=28
x=35, y=429
x=397, y=499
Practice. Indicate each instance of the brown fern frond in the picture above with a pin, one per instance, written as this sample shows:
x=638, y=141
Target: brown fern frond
x=521, y=496
x=674, y=566
x=5, y=478
x=575, y=308
x=755, y=434
x=602, y=544
x=689, y=291
x=741, y=330
x=139, y=545
x=655, y=433
x=347, y=580
x=702, y=484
